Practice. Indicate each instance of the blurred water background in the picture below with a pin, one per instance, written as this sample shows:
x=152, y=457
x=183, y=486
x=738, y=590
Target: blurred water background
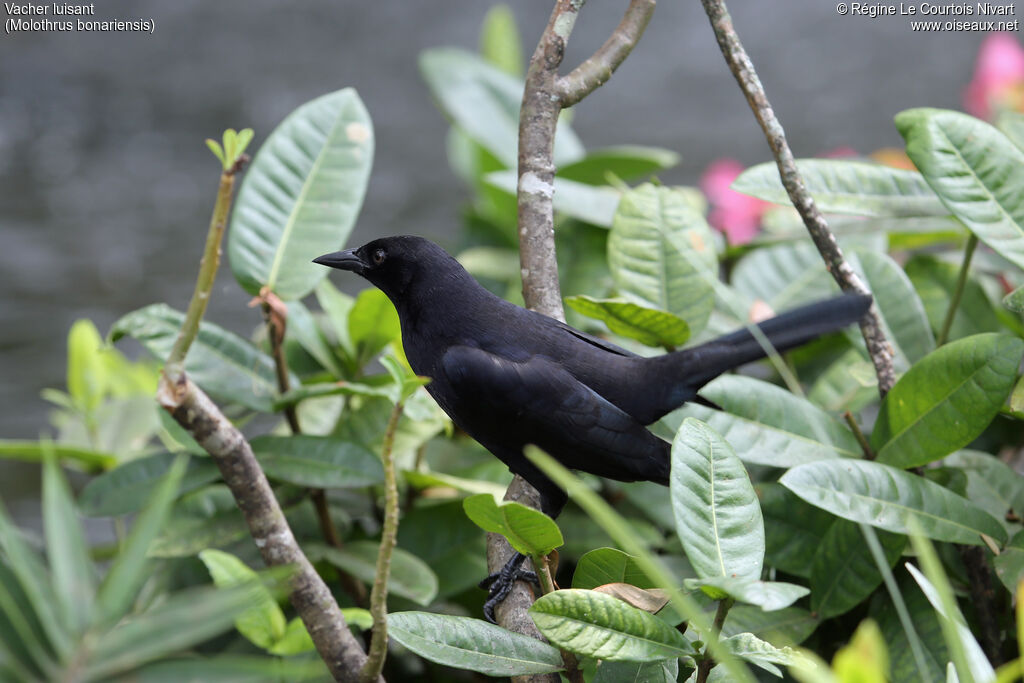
x=106, y=185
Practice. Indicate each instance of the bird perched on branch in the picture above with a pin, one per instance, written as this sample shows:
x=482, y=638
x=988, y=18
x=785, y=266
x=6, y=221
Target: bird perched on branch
x=509, y=376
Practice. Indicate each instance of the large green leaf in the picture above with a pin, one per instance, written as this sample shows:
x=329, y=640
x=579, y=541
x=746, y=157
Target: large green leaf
x=221, y=362
x=783, y=276
x=903, y=314
x=768, y=595
x=888, y=498
x=303, y=328
x=977, y=172
x=793, y=529
x=529, y=531
x=717, y=515
x=992, y=485
x=601, y=626
x=768, y=425
x=850, y=187
x=263, y=623
x=372, y=324
x=71, y=569
x=782, y=628
x=317, y=461
x=589, y=203
x=626, y=162
x=1009, y=564
x=842, y=575
x=904, y=664
x=301, y=195
x=663, y=671
x=946, y=400
x=178, y=623
x=662, y=254
x=935, y=282
x=207, y=518
x=848, y=383
x=126, y=573
x=646, y=325
x=749, y=647
x=411, y=578
x=233, y=668
x=127, y=488
x=472, y=644
x=608, y=565
x=484, y=102
x=442, y=536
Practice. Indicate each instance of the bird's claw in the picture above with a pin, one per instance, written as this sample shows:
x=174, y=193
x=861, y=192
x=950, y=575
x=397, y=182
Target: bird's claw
x=499, y=584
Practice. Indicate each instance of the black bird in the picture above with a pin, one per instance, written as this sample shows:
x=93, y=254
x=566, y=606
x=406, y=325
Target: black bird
x=510, y=377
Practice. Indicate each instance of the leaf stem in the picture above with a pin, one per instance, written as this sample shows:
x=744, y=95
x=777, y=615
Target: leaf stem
x=859, y=435
x=174, y=369
x=961, y=282
x=704, y=668
x=379, y=594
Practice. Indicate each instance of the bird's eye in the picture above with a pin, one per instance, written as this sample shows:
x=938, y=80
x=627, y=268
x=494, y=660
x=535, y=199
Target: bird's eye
x=378, y=257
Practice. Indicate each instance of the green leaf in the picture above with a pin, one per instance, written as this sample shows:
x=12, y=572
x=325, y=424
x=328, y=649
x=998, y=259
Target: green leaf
x=935, y=282
x=717, y=515
x=783, y=627
x=946, y=400
x=472, y=644
x=128, y=488
x=1011, y=123
x=842, y=575
x=646, y=325
x=976, y=171
x=749, y=647
x=183, y=620
x=263, y=623
x=32, y=451
x=608, y=565
x=303, y=328
x=484, y=103
x=793, y=529
x=85, y=366
x=850, y=187
x=904, y=320
x=992, y=485
x=848, y=383
x=301, y=195
x=529, y=531
x=888, y=498
x=72, y=573
x=126, y=574
x=372, y=324
x=207, y=518
x=1015, y=300
x=600, y=626
x=233, y=668
x=217, y=151
x=626, y=162
x=768, y=425
x=664, y=671
x=442, y=536
x=296, y=638
x=337, y=307
x=768, y=595
x=904, y=664
x=317, y=461
x=783, y=276
x=499, y=41
x=588, y=203
x=222, y=363
x=662, y=254
x=411, y=577
x=1009, y=564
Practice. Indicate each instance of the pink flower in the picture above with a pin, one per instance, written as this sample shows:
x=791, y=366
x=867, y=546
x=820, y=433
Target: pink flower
x=735, y=214
x=998, y=81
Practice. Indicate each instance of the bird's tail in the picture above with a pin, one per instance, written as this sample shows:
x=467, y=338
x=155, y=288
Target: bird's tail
x=699, y=365
x=783, y=332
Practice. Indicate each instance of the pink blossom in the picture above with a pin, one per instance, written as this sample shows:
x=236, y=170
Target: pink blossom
x=998, y=81
x=735, y=214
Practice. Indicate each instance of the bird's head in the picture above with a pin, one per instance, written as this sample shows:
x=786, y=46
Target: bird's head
x=394, y=264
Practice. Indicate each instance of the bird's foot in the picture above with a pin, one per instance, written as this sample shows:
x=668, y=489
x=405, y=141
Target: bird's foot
x=500, y=583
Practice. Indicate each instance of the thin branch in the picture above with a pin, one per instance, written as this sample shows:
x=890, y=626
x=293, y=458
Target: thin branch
x=379, y=594
x=175, y=366
x=704, y=668
x=201, y=417
x=594, y=72
x=547, y=585
x=739, y=63
x=865, y=447
x=961, y=282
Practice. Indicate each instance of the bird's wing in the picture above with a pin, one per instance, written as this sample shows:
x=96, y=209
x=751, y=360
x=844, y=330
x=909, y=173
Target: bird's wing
x=537, y=401
x=595, y=341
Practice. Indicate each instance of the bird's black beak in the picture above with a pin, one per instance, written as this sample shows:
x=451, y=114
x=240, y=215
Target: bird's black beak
x=342, y=260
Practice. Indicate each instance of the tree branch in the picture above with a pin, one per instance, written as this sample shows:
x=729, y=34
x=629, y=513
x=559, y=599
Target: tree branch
x=594, y=72
x=201, y=417
x=739, y=63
